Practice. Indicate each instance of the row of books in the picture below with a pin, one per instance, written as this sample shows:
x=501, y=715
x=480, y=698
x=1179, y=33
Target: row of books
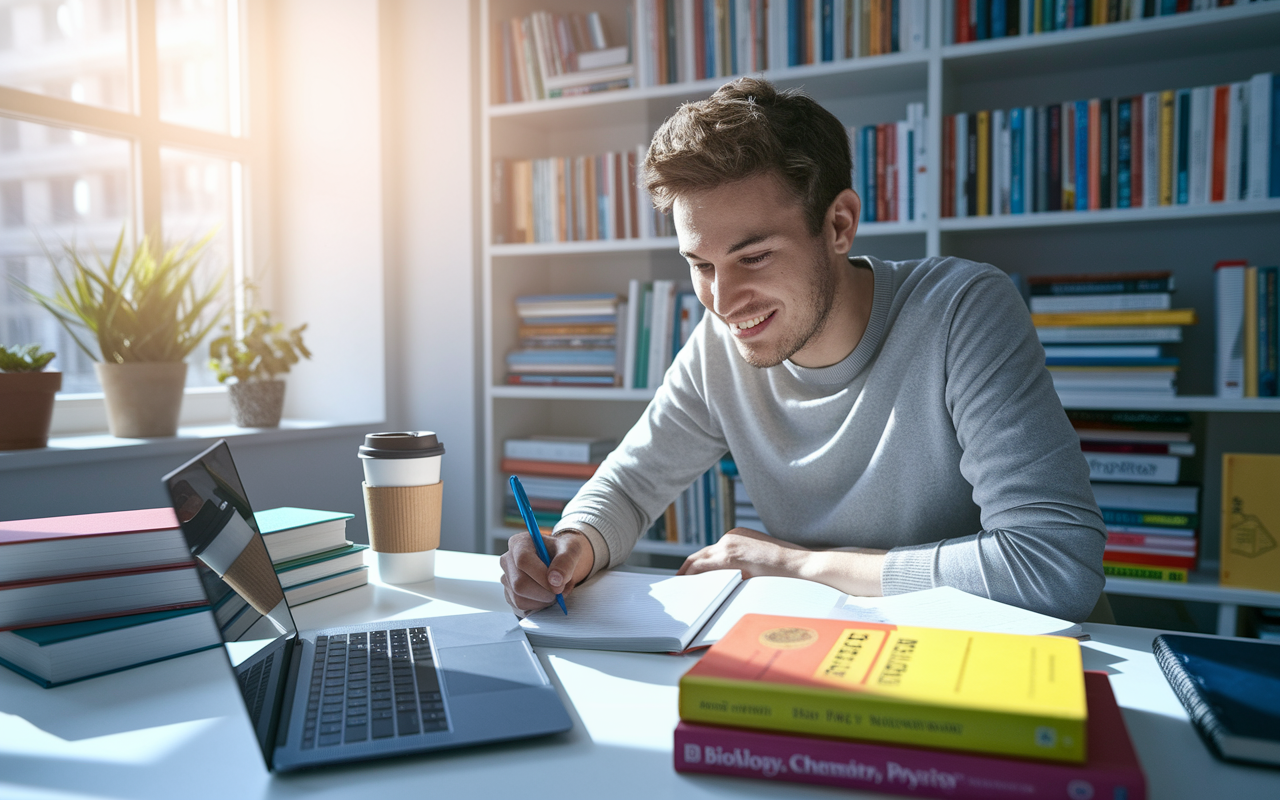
x=574, y=198
x=552, y=469
x=921, y=712
x=546, y=55
x=891, y=168
x=1107, y=332
x=978, y=20
x=603, y=339
x=1248, y=330
x=90, y=594
x=1208, y=144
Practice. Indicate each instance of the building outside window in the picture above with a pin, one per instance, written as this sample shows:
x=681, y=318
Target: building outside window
x=117, y=114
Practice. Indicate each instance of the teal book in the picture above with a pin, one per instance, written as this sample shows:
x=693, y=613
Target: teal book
x=291, y=533
x=52, y=655
x=275, y=520
x=320, y=565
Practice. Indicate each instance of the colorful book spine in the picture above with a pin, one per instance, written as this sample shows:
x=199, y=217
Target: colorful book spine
x=1113, y=569
x=1112, y=769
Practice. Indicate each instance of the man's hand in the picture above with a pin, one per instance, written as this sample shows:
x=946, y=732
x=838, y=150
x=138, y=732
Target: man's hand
x=753, y=552
x=529, y=584
x=852, y=570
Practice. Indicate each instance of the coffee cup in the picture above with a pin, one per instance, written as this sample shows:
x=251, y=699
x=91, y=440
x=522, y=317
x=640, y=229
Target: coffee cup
x=402, y=500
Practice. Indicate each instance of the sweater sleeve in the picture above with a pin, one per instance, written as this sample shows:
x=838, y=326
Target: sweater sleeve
x=674, y=442
x=1042, y=539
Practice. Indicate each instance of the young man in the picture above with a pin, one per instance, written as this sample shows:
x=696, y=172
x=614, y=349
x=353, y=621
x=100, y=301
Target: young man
x=893, y=422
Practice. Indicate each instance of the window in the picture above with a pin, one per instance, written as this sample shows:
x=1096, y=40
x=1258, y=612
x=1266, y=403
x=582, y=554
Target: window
x=117, y=115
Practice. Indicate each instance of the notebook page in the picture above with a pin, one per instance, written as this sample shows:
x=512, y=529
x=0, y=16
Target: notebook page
x=629, y=610
x=788, y=597
x=947, y=607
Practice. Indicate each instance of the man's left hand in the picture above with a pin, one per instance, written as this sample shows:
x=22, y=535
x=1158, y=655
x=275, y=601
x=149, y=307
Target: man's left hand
x=753, y=552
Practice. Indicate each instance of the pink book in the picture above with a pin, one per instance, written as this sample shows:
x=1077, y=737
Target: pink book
x=1111, y=769
x=56, y=547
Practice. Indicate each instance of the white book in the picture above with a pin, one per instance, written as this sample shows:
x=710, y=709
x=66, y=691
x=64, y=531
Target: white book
x=962, y=163
x=550, y=488
x=664, y=296
x=644, y=47
x=948, y=23
x=1200, y=154
x=920, y=128
x=918, y=29
x=628, y=197
x=1172, y=499
x=1229, y=286
x=1259, y=136
x=1237, y=106
x=562, y=449
x=815, y=32
x=634, y=298
x=1103, y=351
x=1125, y=301
x=745, y=62
x=1151, y=149
x=1129, y=468
x=686, y=67
x=902, y=170
x=1109, y=333
x=855, y=29
x=1006, y=163
x=642, y=612
x=777, y=32
x=620, y=341
x=323, y=587
x=838, y=29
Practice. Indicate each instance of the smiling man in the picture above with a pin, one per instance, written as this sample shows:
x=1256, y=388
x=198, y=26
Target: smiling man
x=893, y=422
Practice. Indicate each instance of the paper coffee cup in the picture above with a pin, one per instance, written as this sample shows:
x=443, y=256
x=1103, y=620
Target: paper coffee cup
x=402, y=495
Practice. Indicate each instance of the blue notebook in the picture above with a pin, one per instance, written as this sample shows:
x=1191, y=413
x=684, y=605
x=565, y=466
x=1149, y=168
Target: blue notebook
x=1230, y=689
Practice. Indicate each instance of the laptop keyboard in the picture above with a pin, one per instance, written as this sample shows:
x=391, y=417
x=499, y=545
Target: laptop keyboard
x=373, y=685
x=253, y=688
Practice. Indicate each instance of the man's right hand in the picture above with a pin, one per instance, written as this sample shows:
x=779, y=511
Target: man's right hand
x=529, y=584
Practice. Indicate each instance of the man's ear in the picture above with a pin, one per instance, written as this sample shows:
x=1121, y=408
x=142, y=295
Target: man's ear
x=842, y=221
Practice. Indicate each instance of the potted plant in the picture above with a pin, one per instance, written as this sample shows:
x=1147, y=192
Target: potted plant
x=146, y=315
x=26, y=396
x=249, y=363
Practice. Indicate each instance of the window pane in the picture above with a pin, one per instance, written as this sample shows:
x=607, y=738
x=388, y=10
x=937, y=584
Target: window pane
x=197, y=197
x=72, y=49
x=196, y=43
x=57, y=186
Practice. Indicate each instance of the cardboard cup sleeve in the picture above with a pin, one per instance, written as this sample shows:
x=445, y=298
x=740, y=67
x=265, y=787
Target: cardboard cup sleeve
x=403, y=519
x=253, y=578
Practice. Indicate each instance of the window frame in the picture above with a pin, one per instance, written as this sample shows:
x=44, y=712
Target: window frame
x=147, y=135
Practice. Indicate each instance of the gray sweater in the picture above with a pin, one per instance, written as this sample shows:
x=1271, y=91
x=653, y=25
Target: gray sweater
x=939, y=438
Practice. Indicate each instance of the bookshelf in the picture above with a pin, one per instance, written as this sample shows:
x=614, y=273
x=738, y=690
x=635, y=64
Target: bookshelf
x=1190, y=49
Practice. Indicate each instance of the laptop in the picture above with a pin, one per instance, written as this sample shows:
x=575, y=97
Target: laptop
x=355, y=692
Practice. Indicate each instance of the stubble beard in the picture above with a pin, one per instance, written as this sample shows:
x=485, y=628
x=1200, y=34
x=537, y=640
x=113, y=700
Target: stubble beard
x=822, y=294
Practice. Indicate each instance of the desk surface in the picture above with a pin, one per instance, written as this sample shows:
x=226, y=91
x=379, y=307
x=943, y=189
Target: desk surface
x=178, y=729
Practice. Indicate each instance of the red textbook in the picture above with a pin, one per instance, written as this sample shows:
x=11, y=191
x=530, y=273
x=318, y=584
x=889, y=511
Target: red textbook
x=1111, y=767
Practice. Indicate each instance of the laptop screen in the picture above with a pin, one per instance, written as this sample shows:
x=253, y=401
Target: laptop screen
x=244, y=593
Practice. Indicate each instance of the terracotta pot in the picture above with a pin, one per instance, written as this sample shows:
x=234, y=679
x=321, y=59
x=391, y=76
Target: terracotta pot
x=26, y=408
x=257, y=404
x=143, y=398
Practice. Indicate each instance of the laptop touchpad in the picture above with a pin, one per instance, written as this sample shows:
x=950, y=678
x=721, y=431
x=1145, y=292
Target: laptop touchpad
x=495, y=667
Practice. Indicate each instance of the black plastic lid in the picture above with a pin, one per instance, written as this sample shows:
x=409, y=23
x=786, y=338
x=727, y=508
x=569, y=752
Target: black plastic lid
x=401, y=444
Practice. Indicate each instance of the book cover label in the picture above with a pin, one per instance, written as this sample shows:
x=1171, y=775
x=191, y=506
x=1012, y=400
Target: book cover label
x=1250, y=521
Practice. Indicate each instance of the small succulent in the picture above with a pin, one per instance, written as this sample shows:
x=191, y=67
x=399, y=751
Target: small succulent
x=265, y=350
x=24, y=358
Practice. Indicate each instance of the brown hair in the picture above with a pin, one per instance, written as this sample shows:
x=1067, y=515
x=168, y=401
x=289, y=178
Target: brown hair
x=749, y=128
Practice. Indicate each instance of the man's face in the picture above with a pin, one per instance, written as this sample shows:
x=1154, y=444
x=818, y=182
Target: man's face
x=756, y=266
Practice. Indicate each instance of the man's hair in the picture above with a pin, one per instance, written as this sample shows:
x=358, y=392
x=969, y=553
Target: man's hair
x=749, y=128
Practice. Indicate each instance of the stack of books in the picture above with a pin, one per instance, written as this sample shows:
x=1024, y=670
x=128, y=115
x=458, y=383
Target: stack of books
x=311, y=555
x=890, y=168
x=1134, y=446
x=700, y=514
x=573, y=199
x=95, y=593
x=568, y=340
x=660, y=318
x=551, y=469
x=923, y=712
x=548, y=55
x=1207, y=144
x=744, y=510
x=1248, y=330
x=1105, y=333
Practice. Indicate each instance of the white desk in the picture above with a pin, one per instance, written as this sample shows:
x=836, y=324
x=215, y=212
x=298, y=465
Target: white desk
x=177, y=729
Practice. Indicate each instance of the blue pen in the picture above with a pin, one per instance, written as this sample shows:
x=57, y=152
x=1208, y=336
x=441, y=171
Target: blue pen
x=526, y=511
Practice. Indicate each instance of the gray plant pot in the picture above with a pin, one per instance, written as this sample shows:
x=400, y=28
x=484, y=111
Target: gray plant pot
x=257, y=404
x=143, y=399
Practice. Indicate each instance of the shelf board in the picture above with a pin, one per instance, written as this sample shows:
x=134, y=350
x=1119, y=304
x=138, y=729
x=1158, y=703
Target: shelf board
x=1218, y=30
x=654, y=547
x=571, y=393
x=1053, y=219
x=1202, y=586
x=1108, y=400
x=670, y=243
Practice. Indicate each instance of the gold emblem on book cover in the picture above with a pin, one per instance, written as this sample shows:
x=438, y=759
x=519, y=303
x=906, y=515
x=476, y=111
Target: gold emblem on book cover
x=788, y=638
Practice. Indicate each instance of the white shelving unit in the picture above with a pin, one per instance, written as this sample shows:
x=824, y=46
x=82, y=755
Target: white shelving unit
x=1184, y=50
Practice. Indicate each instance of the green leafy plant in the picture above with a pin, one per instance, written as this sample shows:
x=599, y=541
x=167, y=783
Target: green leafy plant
x=24, y=358
x=265, y=350
x=138, y=307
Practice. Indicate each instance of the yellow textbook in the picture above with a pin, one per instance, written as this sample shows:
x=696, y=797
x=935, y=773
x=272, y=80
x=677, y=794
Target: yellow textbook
x=929, y=687
x=1251, y=521
x=1173, y=316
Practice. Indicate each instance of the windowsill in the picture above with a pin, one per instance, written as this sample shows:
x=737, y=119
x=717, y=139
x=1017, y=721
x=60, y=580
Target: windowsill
x=91, y=448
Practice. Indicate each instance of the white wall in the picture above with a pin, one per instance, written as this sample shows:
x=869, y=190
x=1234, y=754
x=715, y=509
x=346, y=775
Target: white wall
x=326, y=162
x=430, y=243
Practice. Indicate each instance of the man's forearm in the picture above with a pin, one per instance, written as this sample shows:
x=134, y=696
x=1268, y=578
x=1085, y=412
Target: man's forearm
x=854, y=571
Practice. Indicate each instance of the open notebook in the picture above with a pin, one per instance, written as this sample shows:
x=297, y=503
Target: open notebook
x=647, y=613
